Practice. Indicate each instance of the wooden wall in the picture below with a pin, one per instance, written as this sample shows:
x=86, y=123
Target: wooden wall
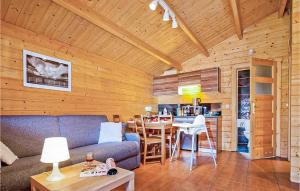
x=99, y=86
x=269, y=38
x=295, y=93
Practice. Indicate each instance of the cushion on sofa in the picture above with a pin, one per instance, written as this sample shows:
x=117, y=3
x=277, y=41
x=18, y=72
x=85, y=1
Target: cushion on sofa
x=25, y=135
x=117, y=150
x=81, y=130
x=110, y=132
x=6, y=155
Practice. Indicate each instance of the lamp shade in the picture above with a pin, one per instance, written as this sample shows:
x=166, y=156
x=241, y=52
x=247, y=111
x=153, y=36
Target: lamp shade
x=55, y=150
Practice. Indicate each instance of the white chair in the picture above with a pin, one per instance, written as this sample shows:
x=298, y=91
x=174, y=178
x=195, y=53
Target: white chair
x=197, y=127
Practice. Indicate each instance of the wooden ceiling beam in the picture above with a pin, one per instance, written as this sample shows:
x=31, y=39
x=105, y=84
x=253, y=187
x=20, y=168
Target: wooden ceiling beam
x=281, y=7
x=188, y=31
x=85, y=12
x=236, y=18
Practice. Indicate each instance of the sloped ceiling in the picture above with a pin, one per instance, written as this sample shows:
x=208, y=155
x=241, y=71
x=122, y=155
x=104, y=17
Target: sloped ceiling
x=210, y=20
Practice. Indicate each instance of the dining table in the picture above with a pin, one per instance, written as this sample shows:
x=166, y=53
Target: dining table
x=162, y=126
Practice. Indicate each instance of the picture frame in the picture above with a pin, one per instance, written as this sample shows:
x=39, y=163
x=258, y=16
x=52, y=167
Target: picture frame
x=46, y=72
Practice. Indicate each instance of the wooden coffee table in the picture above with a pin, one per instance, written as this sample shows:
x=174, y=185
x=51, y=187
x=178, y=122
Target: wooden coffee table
x=72, y=181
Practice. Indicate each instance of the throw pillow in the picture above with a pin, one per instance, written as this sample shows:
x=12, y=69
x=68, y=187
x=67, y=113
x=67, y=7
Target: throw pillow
x=110, y=132
x=6, y=155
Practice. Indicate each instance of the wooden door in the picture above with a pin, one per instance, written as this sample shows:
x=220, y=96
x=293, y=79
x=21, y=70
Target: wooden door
x=263, y=108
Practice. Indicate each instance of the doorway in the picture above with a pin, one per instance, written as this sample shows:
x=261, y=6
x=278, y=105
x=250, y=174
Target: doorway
x=254, y=108
x=243, y=110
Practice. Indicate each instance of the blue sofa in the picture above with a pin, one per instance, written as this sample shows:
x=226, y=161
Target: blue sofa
x=25, y=135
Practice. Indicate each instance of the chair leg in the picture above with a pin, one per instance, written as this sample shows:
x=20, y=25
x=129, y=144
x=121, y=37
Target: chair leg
x=176, y=144
x=145, y=153
x=192, y=152
x=170, y=147
x=211, y=149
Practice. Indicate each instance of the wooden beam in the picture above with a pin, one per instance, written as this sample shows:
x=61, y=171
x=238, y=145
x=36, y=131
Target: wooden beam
x=237, y=18
x=281, y=7
x=188, y=31
x=83, y=11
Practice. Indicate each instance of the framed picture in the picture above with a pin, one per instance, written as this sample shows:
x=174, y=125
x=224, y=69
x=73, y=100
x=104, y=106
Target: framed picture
x=41, y=71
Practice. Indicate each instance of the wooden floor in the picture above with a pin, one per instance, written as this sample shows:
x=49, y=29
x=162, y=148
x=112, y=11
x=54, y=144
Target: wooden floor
x=233, y=172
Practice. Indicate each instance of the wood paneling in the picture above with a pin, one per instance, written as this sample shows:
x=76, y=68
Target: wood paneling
x=212, y=25
x=295, y=93
x=99, y=86
x=269, y=38
x=104, y=23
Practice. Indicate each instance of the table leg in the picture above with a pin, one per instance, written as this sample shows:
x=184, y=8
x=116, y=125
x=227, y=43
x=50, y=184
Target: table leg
x=163, y=146
x=130, y=184
x=33, y=188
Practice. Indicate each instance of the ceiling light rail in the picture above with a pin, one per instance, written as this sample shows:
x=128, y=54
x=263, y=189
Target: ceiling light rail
x=168, y=11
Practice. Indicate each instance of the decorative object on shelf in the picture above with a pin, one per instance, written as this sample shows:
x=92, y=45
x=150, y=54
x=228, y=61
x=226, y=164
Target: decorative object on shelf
x=55, y=150
x=41, y=71
x=168, y=11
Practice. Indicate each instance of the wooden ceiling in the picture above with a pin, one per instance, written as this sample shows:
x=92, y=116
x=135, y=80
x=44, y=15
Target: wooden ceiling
x=139, y=29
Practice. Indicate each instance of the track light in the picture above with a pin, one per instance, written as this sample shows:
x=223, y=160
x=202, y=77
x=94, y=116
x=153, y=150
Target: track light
x=174, y=23
x=153, y=5
x=168, y=11
x=166, y=16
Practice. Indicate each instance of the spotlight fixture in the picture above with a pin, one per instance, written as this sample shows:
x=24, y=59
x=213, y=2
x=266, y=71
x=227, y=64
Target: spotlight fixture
x=153, y=5
x=166, y=16
x=168, y=11
x=174, y=23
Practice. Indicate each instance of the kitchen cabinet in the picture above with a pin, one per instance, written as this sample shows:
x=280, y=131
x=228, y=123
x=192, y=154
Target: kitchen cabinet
x=209, y=79
x=214, y=127
x=165, y=85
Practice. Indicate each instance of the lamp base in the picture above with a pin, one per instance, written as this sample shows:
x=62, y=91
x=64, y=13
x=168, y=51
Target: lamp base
x=55, y=175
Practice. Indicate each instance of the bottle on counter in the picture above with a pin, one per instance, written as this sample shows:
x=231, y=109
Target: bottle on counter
x=165, y=111
x=178, y=111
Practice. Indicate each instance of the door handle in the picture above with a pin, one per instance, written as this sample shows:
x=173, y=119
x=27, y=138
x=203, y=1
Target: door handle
x=253, y=108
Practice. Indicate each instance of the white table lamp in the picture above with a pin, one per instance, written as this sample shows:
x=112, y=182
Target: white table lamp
x=55, y=150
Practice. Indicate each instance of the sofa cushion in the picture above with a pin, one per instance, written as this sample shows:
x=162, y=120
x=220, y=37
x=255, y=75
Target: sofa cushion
x=81, y=130
x=25, y=135
x=6, y=155
x=110, y=132
x=117, y=150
